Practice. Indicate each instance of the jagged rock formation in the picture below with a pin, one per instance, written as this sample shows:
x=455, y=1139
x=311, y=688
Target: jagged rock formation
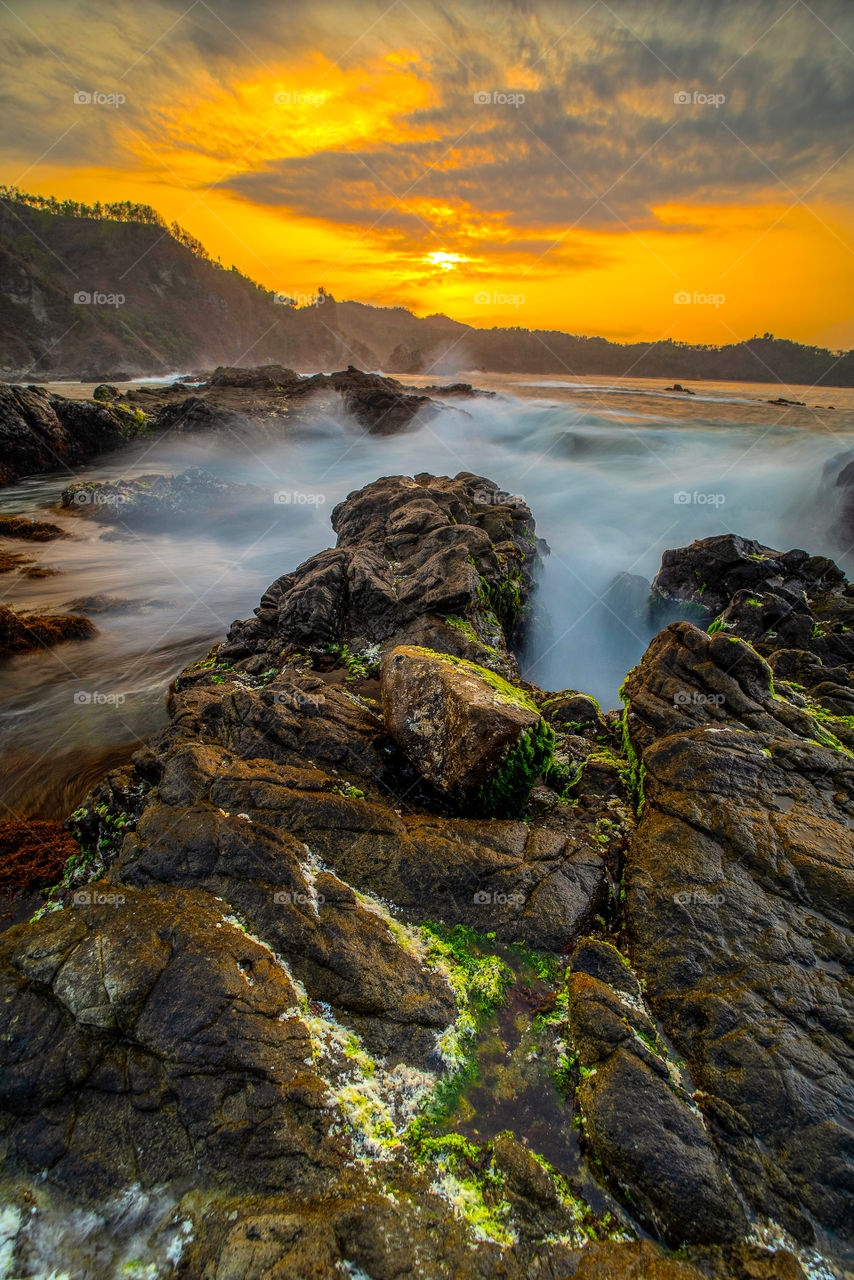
x=739, y=883
x=242, y=996
x=192, y=497
x=43, y=432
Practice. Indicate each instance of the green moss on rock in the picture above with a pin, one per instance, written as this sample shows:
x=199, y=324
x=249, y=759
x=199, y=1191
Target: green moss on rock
x=507, y=790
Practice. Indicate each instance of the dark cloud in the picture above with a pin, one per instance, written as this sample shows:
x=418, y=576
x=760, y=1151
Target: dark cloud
x=599, y=141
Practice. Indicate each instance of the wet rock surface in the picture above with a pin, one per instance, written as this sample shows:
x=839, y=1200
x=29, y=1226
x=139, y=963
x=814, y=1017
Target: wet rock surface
x=44, y=432
x=191, y=497
x=466, y=730
x=739, y=894
x=40, y=431
x=638, y=1115
x=270, y=978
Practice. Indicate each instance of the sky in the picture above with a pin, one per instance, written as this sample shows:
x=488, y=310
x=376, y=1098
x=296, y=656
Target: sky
x=643, y=169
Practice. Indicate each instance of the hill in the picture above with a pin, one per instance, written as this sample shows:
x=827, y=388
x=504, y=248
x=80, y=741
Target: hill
x=100, y=291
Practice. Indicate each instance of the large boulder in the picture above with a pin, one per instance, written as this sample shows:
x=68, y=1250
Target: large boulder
x=469, y=732
x=444, y=563
x=739, y=900
x=144, y=1038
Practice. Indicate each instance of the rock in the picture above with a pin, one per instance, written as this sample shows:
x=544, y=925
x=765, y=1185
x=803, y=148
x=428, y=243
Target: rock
x=42, y=432
x=32, y=530
x=268, y=377
x=156, y=500
x=677, y=386
x=246, y=1009
x=465, y=729
x=105, y=391
x=425, y=560
x=740, y=888
x=195, y=414
x=104, y=603
x=456, y=391
x=378, y=404
x=24, y=632
x=144, y=1041
x=572, y=710
x=782, y=602
x=782, y=401
x=639, y=1118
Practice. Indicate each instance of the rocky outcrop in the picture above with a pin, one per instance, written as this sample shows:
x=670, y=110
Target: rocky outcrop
x=270, y=979
x=739, y=888
x=43, y=432
x=795, y=609
x=157, y=501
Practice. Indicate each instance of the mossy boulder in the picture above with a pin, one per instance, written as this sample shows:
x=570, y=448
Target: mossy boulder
x=469, y=732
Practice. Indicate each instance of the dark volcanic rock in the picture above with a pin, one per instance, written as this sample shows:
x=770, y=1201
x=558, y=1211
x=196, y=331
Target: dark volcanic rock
x=410, y=554
x=43, y=432
x=740, y=896
x=381, y=405
x=195, y=414
x=639, y=1119
x=797, y=610
x=31, y=530
x=267, y=377
x=143, y=1039
x=249, y=1012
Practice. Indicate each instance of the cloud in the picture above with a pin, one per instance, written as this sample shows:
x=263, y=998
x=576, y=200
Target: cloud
x=593, y=139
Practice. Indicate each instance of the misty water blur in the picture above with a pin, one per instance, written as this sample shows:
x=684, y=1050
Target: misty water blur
x=613, y=476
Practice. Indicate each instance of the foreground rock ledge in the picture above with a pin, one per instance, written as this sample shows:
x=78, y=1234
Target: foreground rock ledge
x=236, y=1019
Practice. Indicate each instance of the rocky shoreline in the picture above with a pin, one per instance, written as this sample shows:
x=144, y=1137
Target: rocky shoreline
x=43, y=431
x=367, y=870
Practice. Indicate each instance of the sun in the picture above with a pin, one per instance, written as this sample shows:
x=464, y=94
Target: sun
x=445, y=261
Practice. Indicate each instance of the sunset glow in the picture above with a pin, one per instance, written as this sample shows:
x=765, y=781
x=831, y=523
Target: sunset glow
x=388, y=163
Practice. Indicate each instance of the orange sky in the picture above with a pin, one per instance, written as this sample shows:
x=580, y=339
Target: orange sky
x=378, y=172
